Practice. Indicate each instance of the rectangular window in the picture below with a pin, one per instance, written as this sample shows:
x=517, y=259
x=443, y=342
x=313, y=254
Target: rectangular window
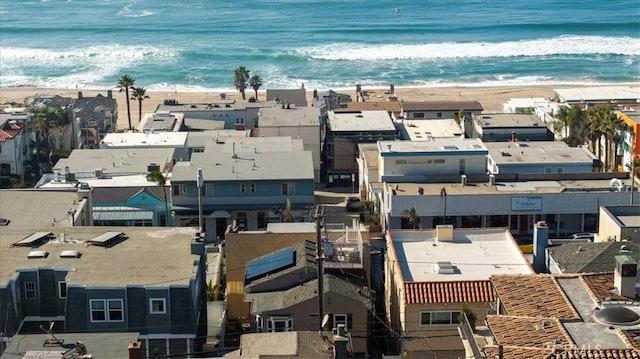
x=279, y=324
x=288, y=189
x=198, y=149
x=439, y=114
x=418, y=115
x=252, y=188
x=262, y=220
x=179, y=189
x=439, y=318
x=98, y=313
x=30, y=290
x=62, y=290
x=243, y=188
x=560, y=170
x=208, y=190
x=345, y=319
x=157, y=306
x=438, y=161
x=115, y=310
x=547, y=170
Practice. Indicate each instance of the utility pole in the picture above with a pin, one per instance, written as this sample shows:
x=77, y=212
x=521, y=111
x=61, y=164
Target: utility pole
x=319, y=217
x=199, y=181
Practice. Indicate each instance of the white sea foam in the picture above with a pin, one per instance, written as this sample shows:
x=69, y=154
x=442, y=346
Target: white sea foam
x=83, y=65
x=571, y=45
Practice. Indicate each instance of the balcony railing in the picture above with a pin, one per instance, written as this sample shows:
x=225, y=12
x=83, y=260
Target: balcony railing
x=345, y=252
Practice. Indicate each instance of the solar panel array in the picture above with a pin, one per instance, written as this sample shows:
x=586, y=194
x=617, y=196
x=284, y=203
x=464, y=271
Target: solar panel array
x=274, y=262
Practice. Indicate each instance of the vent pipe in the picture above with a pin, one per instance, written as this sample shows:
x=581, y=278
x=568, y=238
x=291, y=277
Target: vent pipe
x=463, y=180
x=492, y=180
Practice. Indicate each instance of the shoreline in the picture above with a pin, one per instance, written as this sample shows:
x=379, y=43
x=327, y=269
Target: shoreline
x=490, y=97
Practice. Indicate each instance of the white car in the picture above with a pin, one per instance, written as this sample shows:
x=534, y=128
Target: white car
x=585, y=235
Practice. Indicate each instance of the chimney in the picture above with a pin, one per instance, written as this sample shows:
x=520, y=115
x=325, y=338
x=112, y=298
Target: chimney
x=79, y=95
x=444, y=233
x=540, y=243
x=340, y=342
x=135, y=350
x=624, y=276
x=492, y=180
x=109, y=94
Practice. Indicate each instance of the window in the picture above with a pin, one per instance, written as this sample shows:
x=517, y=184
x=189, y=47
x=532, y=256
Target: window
x=97, y=310
x=345, y=319
x=418, y=115
x=62, y=290
x=252, y=188
x=439, y=318
x=157, y=306
x=179, y=189
x=262, y=220
x=243, y=188
x=198, y=149
x=279, y=324
x=439, y=114
x=288, y=189
x=208, y=190
x=30, y=290
x=110, y=310
x=560, y=170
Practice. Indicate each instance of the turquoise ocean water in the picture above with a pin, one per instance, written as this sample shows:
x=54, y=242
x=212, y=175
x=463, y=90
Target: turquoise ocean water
x=195, y=44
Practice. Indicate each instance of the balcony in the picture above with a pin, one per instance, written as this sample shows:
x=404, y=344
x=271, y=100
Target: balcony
x=345, y=252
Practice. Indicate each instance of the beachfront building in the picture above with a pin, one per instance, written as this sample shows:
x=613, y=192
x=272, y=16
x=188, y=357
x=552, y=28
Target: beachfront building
x=136, y=140
x=344, y=131
x=235, y=114
x=245, y=183
x=539, y=157
x=629, y=147
x=295, y=122
x=293, y=97
x=13, y=147
x=504, y=127
x=106, y=279
x=432, y=274
x=46, y=208
x=585, y=96
x=198, y=140
x=421, y=110
x=393, y=107
x=427, y=130
x=93, y=119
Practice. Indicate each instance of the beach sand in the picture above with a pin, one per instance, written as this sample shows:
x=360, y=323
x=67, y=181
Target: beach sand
x=491, y=98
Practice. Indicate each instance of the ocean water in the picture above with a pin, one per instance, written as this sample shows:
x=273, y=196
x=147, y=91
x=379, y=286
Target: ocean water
x=194, y=45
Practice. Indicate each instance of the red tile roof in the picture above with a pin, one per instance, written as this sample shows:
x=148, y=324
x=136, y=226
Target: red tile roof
x=468, y=291
x=600, y=286
x=528, y=331
x=533, y=296
x=594, y=354
x=10, y=131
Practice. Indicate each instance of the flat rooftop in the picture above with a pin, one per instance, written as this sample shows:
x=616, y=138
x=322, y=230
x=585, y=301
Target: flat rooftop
x=367, y=121
x=99, y=345
x=148, y=255
x=213, y=106
x=147, y=139
x=475, y=254
x=197, y=124
x=535, y=152
x=510, y=120
x=293, y=116
x=31, y=207
x=422, y=130
x=198, y=139
x=161, y=121
x=435, y=145
x=114, y=160
x=441, y=106
x=598, y=93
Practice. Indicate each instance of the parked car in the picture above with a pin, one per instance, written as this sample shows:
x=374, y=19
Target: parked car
x=353, y=204
x=585, y=235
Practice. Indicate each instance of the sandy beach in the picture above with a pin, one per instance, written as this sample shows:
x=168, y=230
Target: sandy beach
x=491, y=98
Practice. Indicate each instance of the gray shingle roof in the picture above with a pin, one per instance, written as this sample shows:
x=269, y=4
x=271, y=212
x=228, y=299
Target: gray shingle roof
x=590, y=257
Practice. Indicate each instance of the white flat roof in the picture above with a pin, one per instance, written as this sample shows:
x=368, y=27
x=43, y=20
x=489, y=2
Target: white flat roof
x=598, y=93
x=140, y=139
x=361, y=121
x=476, y=254
x=421, y=130
x=535, y=152
x=435, y=145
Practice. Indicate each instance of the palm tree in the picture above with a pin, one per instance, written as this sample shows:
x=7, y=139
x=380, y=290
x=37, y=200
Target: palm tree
x=568, y=124
x=125, y=83
x=607, y=124
x=240, y=77
x=161, y=180
x=411, y=215
x=590, y=129
x=255, y=82
x=58, y=119
x=139, y=94
x=41, y=121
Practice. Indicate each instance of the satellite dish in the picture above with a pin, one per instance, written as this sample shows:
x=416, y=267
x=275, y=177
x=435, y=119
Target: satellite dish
x=325, y=321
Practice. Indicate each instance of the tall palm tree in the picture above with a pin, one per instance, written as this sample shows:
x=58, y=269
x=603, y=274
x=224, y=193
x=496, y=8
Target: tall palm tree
x=568, y=124
x=608, y=125
x=590, y=129
x=125, y=83
x=58, y=119
x=255, y=82
x=139, y=94
x=161, y=181
x=240, y=78
x=411, y=215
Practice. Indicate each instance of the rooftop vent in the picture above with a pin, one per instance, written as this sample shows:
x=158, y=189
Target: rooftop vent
x=444, y=268
x=543, y=324
x=617, y=315
x=70, y=254
x=444, y=233
x=37, y=254
x=4, y=222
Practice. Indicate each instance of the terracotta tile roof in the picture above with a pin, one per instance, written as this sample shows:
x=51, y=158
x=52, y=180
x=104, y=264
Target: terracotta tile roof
x=10, y=130
x=468, y=291
x=594, y=354
x=441, y=106
x=510, y=352
x=527, y=331
x=533, y=296
x=631, y=338
x=600, y=286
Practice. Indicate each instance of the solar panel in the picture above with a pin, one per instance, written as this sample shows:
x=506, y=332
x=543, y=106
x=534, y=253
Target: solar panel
x=104, y=238
x=271, y=263
x=33, y=239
